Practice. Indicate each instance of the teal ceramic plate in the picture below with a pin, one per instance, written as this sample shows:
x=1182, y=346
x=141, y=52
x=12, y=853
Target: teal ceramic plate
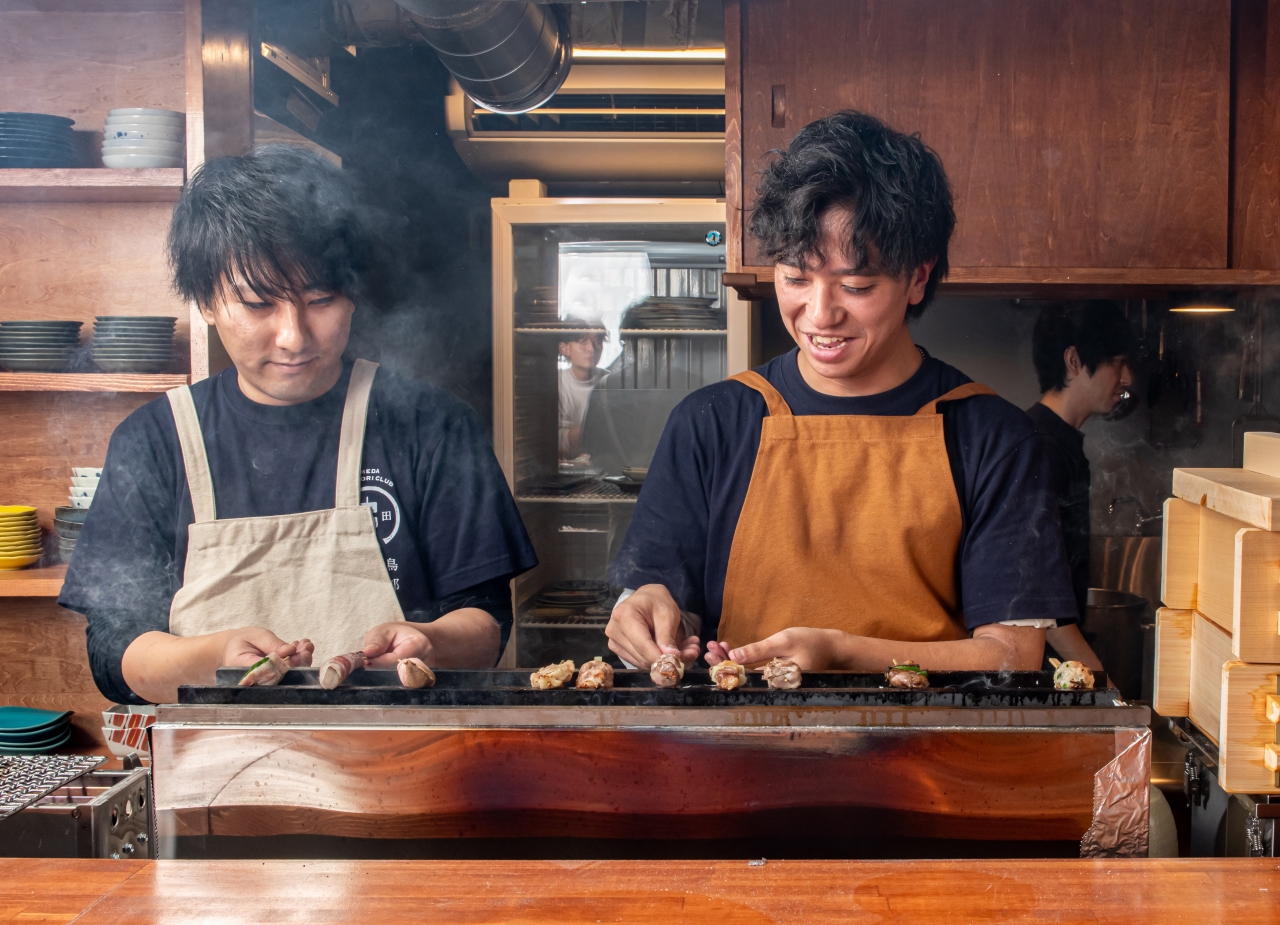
x=43, y=749
x=33, y=739
x=29, y=719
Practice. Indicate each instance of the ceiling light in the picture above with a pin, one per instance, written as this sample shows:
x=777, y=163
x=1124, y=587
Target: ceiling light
x=648, y=54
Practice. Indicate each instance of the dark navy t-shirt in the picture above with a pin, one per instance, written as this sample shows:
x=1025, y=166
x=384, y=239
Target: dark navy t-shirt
x=445, y=517
x=1011, y=564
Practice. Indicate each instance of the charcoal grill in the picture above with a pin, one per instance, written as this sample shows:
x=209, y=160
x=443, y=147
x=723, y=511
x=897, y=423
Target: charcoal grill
x=979, y=757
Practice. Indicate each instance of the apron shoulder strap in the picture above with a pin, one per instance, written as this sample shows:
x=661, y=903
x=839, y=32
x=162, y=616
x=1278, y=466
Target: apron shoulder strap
x=194, y=457
x=777, y=405
x=351, y=443
x=968, y=390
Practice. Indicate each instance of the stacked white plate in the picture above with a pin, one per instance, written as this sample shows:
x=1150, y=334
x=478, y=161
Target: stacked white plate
x=144, y=138
x=133, y=343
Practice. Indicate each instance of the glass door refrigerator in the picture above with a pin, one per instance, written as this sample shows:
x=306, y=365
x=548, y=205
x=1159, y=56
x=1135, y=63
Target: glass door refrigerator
x=606, y=313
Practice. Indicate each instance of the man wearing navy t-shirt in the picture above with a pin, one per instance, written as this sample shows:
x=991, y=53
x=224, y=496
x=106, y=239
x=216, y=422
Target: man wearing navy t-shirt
x=855, y=502
x=299, y=504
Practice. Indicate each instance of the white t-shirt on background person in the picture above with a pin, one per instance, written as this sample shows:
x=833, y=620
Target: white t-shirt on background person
x=574, y=395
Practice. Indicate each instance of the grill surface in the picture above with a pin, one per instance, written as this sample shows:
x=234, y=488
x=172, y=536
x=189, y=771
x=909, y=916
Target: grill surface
x=633, y=688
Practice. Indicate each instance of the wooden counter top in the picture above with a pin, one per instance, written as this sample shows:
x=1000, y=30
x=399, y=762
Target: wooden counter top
x=1239, y=891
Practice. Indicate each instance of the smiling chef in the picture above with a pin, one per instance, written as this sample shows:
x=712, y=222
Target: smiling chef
x=298, y=503
x=854, y=502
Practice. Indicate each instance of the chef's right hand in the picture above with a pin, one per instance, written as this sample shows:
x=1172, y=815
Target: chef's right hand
x=647, y=625
x=245, y=646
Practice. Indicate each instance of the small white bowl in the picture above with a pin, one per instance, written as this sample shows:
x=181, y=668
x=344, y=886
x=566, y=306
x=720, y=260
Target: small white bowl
x=124, y=742
x=78, y=482
x=138, y=111
x=145, y=149
x=159, y=134
x=133, y=161
x=128, y=716
x=80, y=504
x=78, y=492
x=87, y=472
x=113, y=121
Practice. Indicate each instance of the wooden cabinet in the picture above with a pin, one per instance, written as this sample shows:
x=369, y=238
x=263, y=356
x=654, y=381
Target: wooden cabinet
x=1088, y=142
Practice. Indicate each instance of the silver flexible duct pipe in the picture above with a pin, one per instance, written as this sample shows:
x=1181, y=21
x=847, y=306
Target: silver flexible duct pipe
x=507, y=56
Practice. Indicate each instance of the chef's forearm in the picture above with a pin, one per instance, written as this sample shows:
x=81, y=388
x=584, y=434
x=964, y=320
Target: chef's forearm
x=464, y=638
x=995, y=648
x=156, y=663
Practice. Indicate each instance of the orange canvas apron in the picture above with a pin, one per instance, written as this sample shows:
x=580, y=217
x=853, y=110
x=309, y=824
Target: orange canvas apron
x=851, y=522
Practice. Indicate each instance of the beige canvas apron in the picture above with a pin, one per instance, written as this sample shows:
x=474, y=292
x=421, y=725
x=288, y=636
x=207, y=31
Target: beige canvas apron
x=317, y=575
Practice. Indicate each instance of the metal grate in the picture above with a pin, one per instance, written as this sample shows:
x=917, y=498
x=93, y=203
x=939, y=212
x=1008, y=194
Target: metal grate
x=24, y=779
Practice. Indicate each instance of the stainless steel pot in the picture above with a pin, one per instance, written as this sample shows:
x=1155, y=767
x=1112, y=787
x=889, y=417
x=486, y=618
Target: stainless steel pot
x=1113, y=626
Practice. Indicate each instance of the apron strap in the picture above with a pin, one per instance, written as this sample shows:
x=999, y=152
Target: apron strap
x=777, y=405
x=968, y=390
x=351, y=443
x=194, y=457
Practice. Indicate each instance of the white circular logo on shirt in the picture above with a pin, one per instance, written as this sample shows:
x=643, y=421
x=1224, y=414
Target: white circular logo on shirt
x=386, y=511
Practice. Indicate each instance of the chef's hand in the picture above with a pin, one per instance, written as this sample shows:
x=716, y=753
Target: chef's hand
x=386, y=644
x=646, y=625
x=246, y=646
x=811, y=649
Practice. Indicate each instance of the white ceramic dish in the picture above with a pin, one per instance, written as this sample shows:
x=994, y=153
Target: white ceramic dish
x=139, y=111
x=123, y=742
x=81, y=504
x=121, y=161
x=127, y=716
x=109, y=145
x=146, y=149
x=87, y=472
x=84, y=481
x=113, y=121
x=78, y=492
x=157, y=134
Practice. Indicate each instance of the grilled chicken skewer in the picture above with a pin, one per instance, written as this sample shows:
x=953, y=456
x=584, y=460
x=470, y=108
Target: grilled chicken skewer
x=594, y=675
x=265, y=672
x=414, y=673
x=337, y=669
x=552, y=676
x=667, y=671
x=728, y=675
x=782, y=674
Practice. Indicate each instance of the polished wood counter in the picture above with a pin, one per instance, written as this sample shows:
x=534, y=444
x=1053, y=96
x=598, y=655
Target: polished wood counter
x=1239, y=891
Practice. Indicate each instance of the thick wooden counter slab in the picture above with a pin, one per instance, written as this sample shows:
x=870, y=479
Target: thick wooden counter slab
x=1239, y=891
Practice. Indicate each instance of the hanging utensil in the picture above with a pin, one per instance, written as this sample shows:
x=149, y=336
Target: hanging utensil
x=1257, y=418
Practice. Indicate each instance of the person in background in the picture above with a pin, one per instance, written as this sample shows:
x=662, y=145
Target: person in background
x=1081, y=353
x=301, y=503
x=577, y=381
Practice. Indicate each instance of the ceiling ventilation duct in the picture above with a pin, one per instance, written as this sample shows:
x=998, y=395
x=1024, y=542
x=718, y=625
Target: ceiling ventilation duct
x=508, y=57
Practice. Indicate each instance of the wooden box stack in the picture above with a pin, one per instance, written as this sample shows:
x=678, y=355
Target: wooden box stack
x=1218, y=634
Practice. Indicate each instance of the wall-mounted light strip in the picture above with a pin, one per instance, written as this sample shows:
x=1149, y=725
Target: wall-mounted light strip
x=611, y=112
x=648, y=54
x=1202, y=309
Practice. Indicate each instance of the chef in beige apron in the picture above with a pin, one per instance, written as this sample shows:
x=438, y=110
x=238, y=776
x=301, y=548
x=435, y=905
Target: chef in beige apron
x=316, y=576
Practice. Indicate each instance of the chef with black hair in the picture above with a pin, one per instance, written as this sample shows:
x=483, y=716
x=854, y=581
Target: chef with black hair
x=299, y=503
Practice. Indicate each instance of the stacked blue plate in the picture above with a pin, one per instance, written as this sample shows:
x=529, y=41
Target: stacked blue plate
x=28, y=731
x=33, y=139
x=133, y=343
x=39, y=346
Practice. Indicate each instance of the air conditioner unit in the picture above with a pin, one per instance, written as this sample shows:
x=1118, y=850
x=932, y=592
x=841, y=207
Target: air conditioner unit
x=612, y=129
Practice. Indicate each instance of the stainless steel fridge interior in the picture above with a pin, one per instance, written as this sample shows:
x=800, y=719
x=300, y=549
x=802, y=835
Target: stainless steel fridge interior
x=609, y=324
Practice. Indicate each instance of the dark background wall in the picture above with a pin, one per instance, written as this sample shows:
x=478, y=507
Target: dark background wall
x=432, y=215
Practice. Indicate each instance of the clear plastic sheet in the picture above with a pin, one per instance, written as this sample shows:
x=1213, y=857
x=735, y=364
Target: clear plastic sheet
x=1121, y=800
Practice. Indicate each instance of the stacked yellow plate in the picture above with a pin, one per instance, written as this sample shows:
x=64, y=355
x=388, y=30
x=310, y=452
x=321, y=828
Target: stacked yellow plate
x=20, y=544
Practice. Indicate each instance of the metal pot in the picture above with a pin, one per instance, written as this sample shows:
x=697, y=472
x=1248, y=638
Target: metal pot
x=1113, y=626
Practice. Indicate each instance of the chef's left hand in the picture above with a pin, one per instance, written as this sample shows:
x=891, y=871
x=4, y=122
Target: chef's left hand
x=386, y=644
x=811, y=649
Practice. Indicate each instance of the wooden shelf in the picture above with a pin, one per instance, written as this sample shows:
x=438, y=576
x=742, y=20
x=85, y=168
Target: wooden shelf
x=90, y=382
x=757, y=282
x=33, y=582
x=94, y=184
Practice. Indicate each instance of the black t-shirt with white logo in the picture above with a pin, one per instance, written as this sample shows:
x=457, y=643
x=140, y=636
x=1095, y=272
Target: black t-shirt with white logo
x=448, y=526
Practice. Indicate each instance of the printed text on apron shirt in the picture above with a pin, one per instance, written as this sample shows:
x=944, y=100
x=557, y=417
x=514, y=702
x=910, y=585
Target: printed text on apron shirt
x=377, y=492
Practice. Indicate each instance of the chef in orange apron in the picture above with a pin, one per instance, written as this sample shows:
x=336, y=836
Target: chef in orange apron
x=856, y=501
x=299, y=503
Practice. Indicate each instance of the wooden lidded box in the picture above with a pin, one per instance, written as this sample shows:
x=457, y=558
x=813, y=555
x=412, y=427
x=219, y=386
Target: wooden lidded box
x=1218, y=634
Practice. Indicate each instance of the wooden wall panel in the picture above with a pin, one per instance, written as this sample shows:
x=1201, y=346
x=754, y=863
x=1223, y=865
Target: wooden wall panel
x=46, y=665
x=76, y=260
x=45, y=434
x=1255, y=190
x=1076, y=133
x=81, y=59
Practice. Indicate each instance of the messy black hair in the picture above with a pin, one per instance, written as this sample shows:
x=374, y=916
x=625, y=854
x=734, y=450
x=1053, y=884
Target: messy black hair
x=897, y=194
x=1097, y=329
x=281, y=218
